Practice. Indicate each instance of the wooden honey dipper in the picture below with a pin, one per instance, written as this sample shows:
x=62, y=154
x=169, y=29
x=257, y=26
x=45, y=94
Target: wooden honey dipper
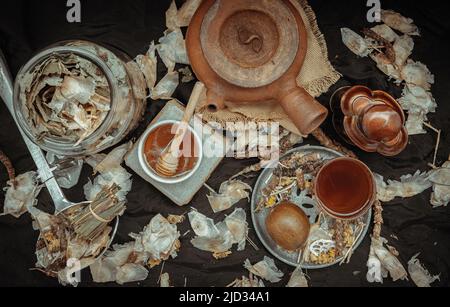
x=169, y=160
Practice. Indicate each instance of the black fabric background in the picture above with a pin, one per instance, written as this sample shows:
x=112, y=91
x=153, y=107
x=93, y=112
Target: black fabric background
x=27, y=26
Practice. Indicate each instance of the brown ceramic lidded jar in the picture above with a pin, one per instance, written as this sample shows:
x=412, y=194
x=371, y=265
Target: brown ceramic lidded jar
x=372, y=120
x=252, y=51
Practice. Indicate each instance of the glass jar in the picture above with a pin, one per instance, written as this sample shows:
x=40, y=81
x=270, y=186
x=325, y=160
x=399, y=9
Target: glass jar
x=127, y=99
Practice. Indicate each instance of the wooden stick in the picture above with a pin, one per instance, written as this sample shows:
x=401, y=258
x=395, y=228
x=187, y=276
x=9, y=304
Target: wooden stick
x=438, y=141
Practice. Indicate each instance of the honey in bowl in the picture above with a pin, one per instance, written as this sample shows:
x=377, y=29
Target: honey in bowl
x=345, y=187
x=160, y=138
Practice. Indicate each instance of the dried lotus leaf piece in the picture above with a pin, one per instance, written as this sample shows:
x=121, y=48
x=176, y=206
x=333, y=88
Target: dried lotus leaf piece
x=400, y=23
x=80, y=89
x=148, y=65
x=138, y=80
x=221, y=243
x=415, y=123
x=187, y=11
x=416, y=99
x=418, y=74
x=105, y=269
x=250, y=282
x=114, y=159
x=131, y=272
x=375, y=272
x=441, y=186
x=230, y=193
x=172, y=49
x=420, y=275
x=219, y=238
x=403, y=47
x=298, y=279
x=164, y=280
x=266, y=269
x=202, y=225
x=172, y=16
x=408, y=186
x=386, y=66
x=111, y=172
x=166, y=87
x=158, y=240
x=385, y=32
x=388, y=261
x=238, y=226
x=355, y=42
x=21, y=194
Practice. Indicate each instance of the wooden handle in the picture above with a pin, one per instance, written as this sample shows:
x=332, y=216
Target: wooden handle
x=188, y=113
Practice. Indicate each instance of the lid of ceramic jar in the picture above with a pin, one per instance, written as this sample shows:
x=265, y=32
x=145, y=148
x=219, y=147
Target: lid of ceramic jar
x=374, y=121
x=250, y=43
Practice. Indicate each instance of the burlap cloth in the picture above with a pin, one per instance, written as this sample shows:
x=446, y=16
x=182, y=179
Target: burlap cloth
x=317, y=76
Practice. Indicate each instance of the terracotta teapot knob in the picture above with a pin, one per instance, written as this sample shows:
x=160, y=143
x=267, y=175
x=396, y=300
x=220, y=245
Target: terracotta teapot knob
x=381, y=123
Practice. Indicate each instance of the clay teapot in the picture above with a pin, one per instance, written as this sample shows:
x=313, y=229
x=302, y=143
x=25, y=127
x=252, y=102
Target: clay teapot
x=251, y=52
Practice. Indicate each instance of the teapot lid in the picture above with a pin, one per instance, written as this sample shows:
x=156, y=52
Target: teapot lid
x=250, y=43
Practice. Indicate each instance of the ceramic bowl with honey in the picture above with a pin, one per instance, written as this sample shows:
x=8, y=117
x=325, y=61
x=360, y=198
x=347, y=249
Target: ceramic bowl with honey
x=157, y=139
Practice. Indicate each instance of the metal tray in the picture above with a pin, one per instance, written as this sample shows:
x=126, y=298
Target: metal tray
x=306, y=203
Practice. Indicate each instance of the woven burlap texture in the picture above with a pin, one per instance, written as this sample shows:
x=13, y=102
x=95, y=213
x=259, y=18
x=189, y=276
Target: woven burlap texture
x=317, y=76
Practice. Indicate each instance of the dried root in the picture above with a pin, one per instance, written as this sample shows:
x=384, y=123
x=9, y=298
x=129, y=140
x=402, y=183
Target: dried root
x=325, y=141
x=9, y=168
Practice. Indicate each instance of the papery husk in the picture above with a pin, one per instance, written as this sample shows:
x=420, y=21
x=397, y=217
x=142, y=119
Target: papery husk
x=21, y=193
x=68, y=171
x=238, y=226
x=416, y=99
x=230, y=193
x=219, y=238
x=400, y=23
x=418, y=74
x=266, y=269
x=385, y=32
x=166, y=87
x=164, y=280
x=105, y=269
x=441, y=186
x=159, y=240
x=387, y=260
x=247, y=282
x=172, y=49
x=420, y=275
x=187, y=11
x=403, y=47
x=408, y=186
x=172, y=16
x=386, y=66
x=131, y=272
x=298, y=279
x=148, y=64
x=355, y=42
x=111, y=172
x=415, y=123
